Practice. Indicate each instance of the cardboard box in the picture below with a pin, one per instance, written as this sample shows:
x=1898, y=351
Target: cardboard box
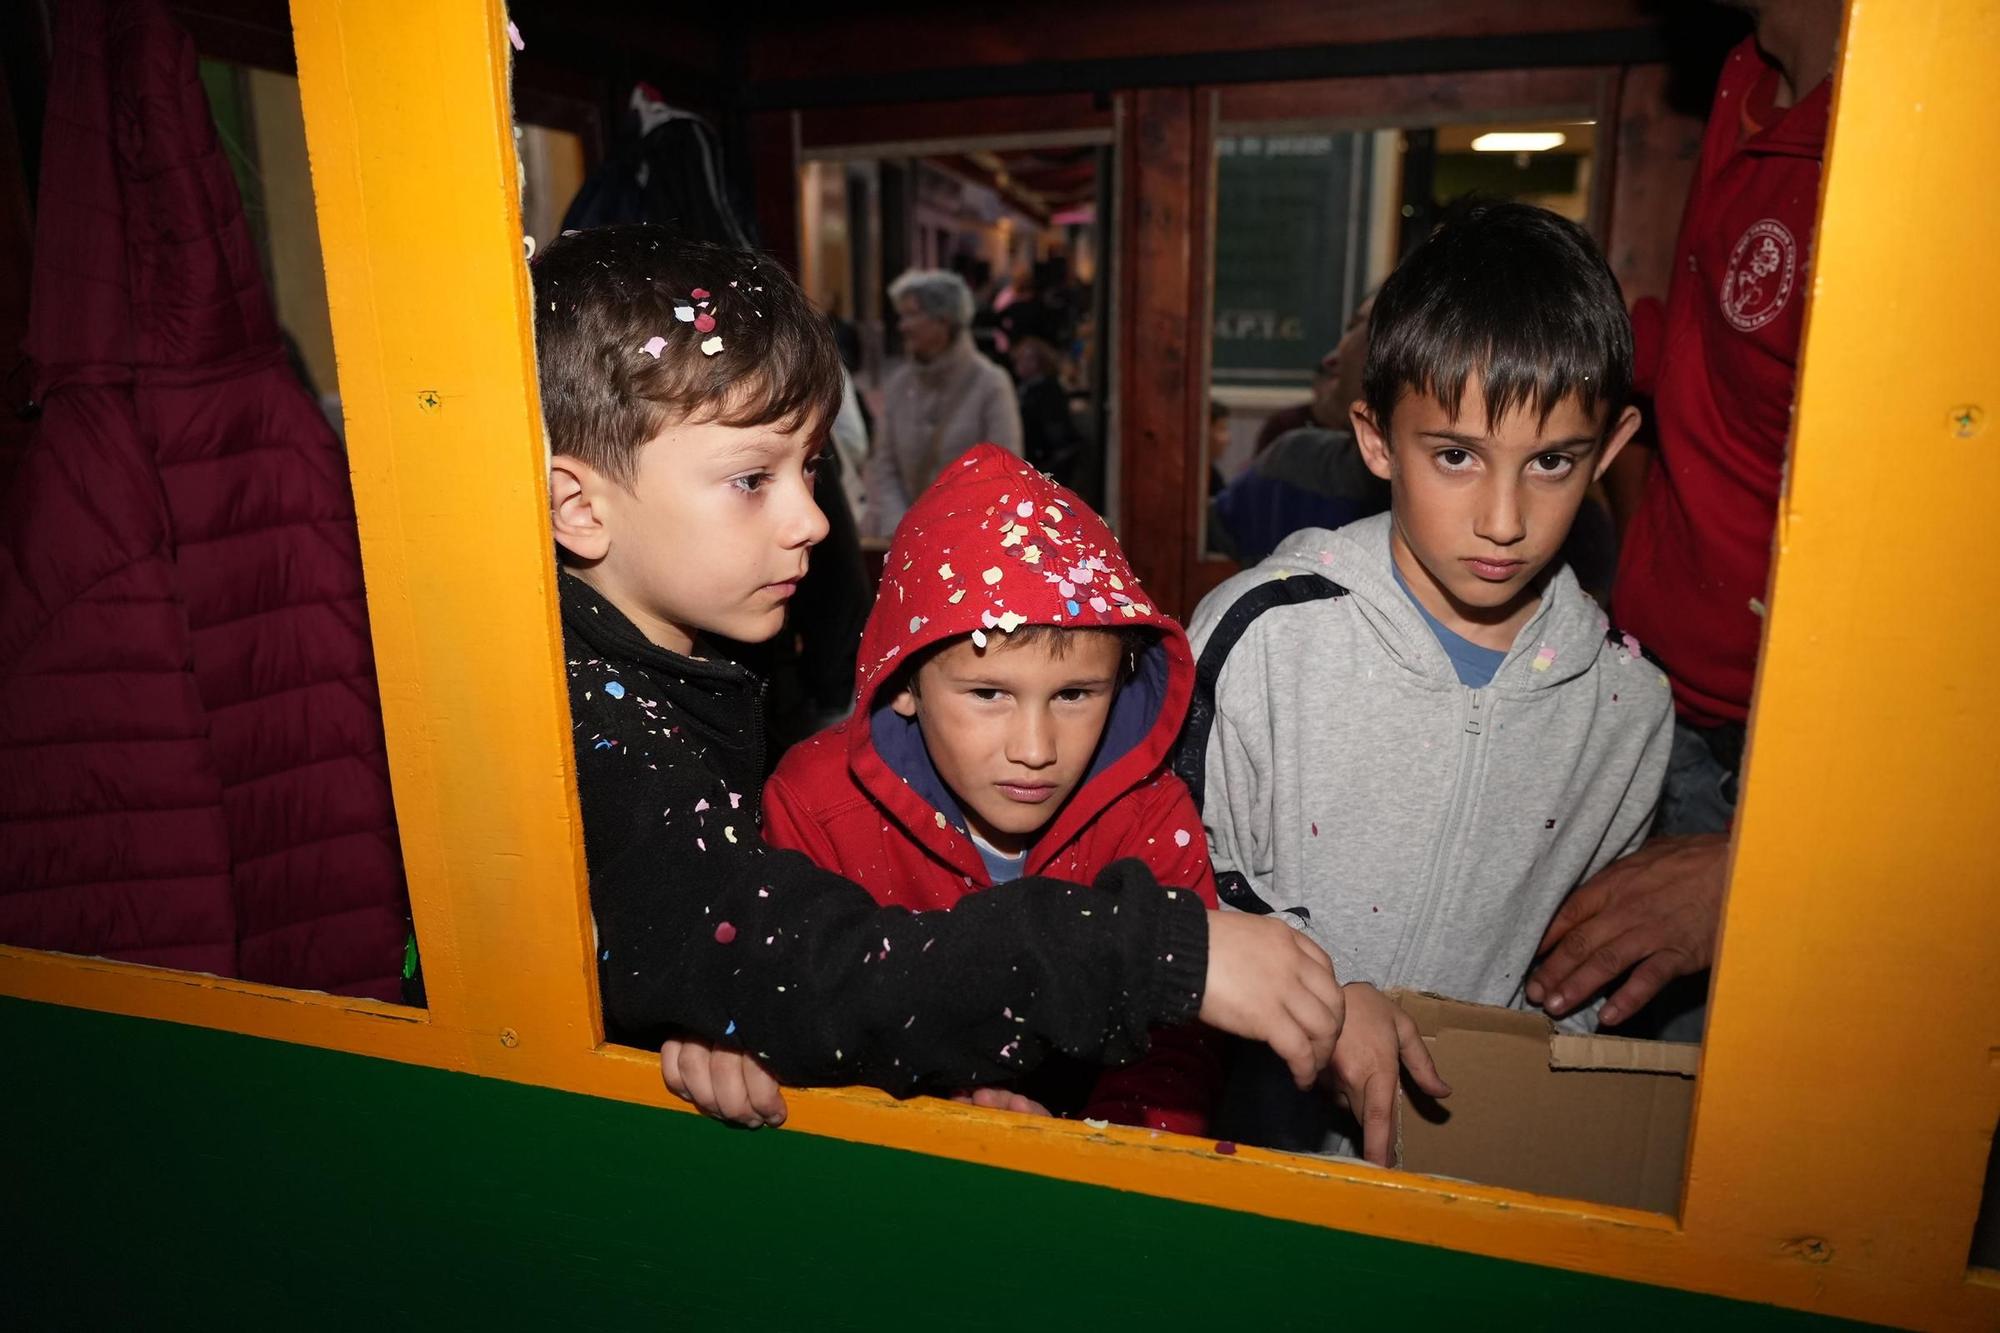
x=1597, y=1118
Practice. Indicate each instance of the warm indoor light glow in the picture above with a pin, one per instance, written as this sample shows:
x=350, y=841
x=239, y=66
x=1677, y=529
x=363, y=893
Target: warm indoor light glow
x=1513, y=141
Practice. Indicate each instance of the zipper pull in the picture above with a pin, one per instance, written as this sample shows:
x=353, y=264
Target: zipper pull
x=1472, y=719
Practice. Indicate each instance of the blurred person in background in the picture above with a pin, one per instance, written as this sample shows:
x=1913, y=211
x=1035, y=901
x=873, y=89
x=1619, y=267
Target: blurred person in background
x=1049, y=437
x=939, y=403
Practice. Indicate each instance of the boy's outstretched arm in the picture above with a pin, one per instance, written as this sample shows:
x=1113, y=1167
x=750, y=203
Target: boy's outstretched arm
x=734, y=1087
x=704, y=931
x=1176, y=1084
x=1378, y=1042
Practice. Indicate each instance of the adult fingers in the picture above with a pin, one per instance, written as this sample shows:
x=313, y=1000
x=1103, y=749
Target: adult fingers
x=1581, y=905
x=1378, y=1116
x=767, y=1099
x=1416, y=1057
x=1646, y=981
x=1598, y=959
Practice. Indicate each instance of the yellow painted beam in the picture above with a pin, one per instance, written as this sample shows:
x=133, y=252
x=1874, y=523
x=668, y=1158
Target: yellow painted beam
x=1850, y=1084
x=409, y=126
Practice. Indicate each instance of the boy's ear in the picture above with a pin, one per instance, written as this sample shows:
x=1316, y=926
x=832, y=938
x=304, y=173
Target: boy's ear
x=1368, y=434
x=1620, y=434
x=905, y=702
x=576, y=507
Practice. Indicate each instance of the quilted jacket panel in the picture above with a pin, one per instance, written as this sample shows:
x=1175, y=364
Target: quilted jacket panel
x=196, y=772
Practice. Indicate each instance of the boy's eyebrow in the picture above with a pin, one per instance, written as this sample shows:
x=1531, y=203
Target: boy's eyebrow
x=756, y=447
x=1473, y=441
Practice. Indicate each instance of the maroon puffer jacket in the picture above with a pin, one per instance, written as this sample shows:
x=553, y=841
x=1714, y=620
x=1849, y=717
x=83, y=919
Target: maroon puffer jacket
x=194, y=773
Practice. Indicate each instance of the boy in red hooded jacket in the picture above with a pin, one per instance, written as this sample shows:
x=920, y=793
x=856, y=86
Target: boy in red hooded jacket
x=1017, y=700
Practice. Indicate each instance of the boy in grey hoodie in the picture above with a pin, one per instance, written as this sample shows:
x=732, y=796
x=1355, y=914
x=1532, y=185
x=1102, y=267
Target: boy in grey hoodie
x=1416, y=735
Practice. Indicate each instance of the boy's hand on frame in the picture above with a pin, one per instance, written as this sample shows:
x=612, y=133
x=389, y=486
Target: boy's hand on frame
x=725, y=1084
x=1376, y=1044
x=1268, y=982
x=1000, y=1099
x=1655, y=913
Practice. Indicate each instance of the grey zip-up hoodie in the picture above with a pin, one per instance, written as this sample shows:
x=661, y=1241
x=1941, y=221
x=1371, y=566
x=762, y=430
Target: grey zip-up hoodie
x=1422, y=832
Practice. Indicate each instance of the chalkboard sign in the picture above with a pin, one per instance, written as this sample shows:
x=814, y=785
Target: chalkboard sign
x=1287, y=251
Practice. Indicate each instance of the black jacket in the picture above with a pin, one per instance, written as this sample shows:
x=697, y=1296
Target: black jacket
x=704, y=930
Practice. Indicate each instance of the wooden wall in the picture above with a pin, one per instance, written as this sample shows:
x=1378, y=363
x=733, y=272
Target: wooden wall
x=1163, y=75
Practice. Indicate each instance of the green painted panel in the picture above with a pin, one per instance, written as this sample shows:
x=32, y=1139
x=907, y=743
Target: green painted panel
x=161, y=1176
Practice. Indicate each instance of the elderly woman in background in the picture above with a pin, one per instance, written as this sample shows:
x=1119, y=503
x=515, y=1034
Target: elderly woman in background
x=942, y=401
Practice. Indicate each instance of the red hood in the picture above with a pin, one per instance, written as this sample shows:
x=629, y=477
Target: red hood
x=991, y=540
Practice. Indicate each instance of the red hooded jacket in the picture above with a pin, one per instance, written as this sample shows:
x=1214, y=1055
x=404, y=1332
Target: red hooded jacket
x=993, y=538
x=194, y=774
x=1694, y=566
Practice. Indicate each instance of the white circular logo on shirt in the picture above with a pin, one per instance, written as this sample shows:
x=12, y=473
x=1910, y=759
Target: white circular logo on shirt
x=1762, y=269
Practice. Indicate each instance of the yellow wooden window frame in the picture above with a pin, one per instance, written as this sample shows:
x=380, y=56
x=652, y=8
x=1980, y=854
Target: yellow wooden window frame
x=1851, y=1076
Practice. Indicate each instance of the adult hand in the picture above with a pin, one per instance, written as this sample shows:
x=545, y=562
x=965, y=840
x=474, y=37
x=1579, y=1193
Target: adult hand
x=1655, y=913
x=1377, y=1042
x=728, y=1085
x=1000, y=1099
x=1268, y=982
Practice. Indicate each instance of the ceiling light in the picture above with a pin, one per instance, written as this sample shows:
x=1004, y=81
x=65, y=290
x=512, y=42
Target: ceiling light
x=1516, y=141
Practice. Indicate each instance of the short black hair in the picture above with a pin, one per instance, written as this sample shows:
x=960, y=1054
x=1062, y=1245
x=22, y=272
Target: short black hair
x=621, y=317
x=1508, y=292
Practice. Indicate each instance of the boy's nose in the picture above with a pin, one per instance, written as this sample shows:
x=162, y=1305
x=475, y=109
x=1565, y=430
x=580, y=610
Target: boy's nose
x=1031, y=741
x=809, y=526
x=1499, y=518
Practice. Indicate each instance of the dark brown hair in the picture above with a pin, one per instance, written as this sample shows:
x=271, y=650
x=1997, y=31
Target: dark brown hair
x=1133, y=641
x=603, y=295
x=1510, y=293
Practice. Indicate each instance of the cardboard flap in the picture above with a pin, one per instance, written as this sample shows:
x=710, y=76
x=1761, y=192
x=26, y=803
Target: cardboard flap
x=1597, y=1118
x=1436, y=1013
x=1608, y=1136
x=1570, y=1051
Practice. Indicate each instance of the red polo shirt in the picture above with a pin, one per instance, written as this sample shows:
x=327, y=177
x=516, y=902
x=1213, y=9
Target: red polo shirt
x=1695, y=567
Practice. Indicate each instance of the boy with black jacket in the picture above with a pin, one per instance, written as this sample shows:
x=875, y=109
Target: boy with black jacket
x=687, y=389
